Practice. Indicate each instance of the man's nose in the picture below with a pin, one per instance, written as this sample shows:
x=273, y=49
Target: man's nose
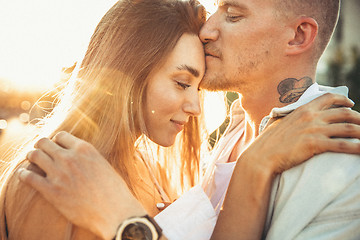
x=209, y=31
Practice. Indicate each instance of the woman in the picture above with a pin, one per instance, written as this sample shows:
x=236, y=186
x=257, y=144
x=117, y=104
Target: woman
x=139, y=77
x=139, y=80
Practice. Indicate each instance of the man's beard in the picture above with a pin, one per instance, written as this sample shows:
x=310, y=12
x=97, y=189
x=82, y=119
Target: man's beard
x=216, y=82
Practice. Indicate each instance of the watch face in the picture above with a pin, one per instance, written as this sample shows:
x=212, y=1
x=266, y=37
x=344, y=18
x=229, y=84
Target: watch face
x=138, y=228
x=137, y=231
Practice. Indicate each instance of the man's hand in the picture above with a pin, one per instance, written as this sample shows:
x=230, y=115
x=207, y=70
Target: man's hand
x=314, y=128
x=81, y=184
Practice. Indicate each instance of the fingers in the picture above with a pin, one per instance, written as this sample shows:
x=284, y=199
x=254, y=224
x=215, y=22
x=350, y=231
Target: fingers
x=330, y=99
x=36, y=181
x=66, y=140
x=339, y=115
x=341, y=145
x=49, y=147
x=42, y=160
x=70, y=142
x=343, y=130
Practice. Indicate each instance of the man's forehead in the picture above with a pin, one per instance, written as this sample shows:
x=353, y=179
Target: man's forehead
x=227, y=2
x=235, y=3
x=239, y=3
x=254, y=5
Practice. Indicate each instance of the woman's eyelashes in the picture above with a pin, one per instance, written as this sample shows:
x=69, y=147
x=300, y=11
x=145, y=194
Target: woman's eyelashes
x=183, y=85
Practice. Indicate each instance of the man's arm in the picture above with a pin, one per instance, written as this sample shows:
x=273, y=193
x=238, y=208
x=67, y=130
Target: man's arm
x=83, y=186
x=30, y=217
x=246, y=203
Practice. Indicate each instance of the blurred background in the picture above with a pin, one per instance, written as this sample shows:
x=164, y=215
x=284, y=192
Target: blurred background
x=340, y=64
x=39, y=38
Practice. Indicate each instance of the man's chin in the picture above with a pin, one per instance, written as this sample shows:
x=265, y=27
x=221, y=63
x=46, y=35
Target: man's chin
x=212, y=82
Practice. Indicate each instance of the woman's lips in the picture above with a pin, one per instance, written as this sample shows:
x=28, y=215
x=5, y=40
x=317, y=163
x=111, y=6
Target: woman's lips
x=179, y=125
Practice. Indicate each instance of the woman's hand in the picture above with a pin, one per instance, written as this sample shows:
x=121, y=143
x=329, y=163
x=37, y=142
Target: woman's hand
x=81, y=184
x=314, y=128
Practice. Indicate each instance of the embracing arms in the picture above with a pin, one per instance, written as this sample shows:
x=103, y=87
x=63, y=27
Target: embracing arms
x=80, y=182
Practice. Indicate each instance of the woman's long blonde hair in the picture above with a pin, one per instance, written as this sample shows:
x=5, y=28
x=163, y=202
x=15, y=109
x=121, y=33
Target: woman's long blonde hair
x=103, y=102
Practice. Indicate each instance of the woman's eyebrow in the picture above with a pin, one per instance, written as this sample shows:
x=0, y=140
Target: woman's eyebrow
x=190, y=69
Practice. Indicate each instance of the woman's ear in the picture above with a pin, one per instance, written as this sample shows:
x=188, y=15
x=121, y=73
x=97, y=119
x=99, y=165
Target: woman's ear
x=305, y=32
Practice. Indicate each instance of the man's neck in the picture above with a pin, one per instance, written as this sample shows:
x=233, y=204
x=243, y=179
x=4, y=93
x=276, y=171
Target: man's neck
x=259, y=102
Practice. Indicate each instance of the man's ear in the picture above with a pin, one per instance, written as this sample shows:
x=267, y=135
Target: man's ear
x=305, y=32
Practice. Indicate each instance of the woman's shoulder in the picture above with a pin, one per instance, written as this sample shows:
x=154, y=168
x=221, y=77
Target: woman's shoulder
x=30, y=216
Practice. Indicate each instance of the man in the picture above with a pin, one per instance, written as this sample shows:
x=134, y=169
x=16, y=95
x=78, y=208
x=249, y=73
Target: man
x=267, y=51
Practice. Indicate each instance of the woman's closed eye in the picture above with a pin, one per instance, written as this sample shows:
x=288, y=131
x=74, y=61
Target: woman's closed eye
x=183, y=85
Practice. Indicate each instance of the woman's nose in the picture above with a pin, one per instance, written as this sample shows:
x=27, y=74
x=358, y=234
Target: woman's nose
x=192, y=105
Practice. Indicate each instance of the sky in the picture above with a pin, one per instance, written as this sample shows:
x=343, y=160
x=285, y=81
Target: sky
x=39, y=37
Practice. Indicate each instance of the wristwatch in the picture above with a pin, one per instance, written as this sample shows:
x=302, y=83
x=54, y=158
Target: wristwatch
x=143, y=227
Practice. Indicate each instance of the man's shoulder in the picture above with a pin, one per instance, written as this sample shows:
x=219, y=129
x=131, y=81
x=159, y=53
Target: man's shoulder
x=325, y=171
x=320, y=192
x=331, y=161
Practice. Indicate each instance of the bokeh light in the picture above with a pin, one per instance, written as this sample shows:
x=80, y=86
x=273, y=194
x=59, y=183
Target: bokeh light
x=25, y=105
x=3, y=124
x=24, y=117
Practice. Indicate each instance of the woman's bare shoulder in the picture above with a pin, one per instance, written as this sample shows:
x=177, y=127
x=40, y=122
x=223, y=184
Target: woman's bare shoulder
x=30, y=216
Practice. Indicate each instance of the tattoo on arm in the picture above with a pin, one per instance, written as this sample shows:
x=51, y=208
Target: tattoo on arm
x=291, y=89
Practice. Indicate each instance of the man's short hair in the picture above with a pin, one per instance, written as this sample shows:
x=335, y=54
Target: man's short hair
x=325, y=12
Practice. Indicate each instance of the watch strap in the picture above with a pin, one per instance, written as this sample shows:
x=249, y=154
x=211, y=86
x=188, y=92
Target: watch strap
x=157, y=227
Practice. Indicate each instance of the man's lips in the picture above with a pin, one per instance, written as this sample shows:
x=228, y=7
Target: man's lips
x=212, y=51
x=210, y=54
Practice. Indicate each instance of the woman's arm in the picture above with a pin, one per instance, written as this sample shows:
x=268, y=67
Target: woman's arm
x=288, y=142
